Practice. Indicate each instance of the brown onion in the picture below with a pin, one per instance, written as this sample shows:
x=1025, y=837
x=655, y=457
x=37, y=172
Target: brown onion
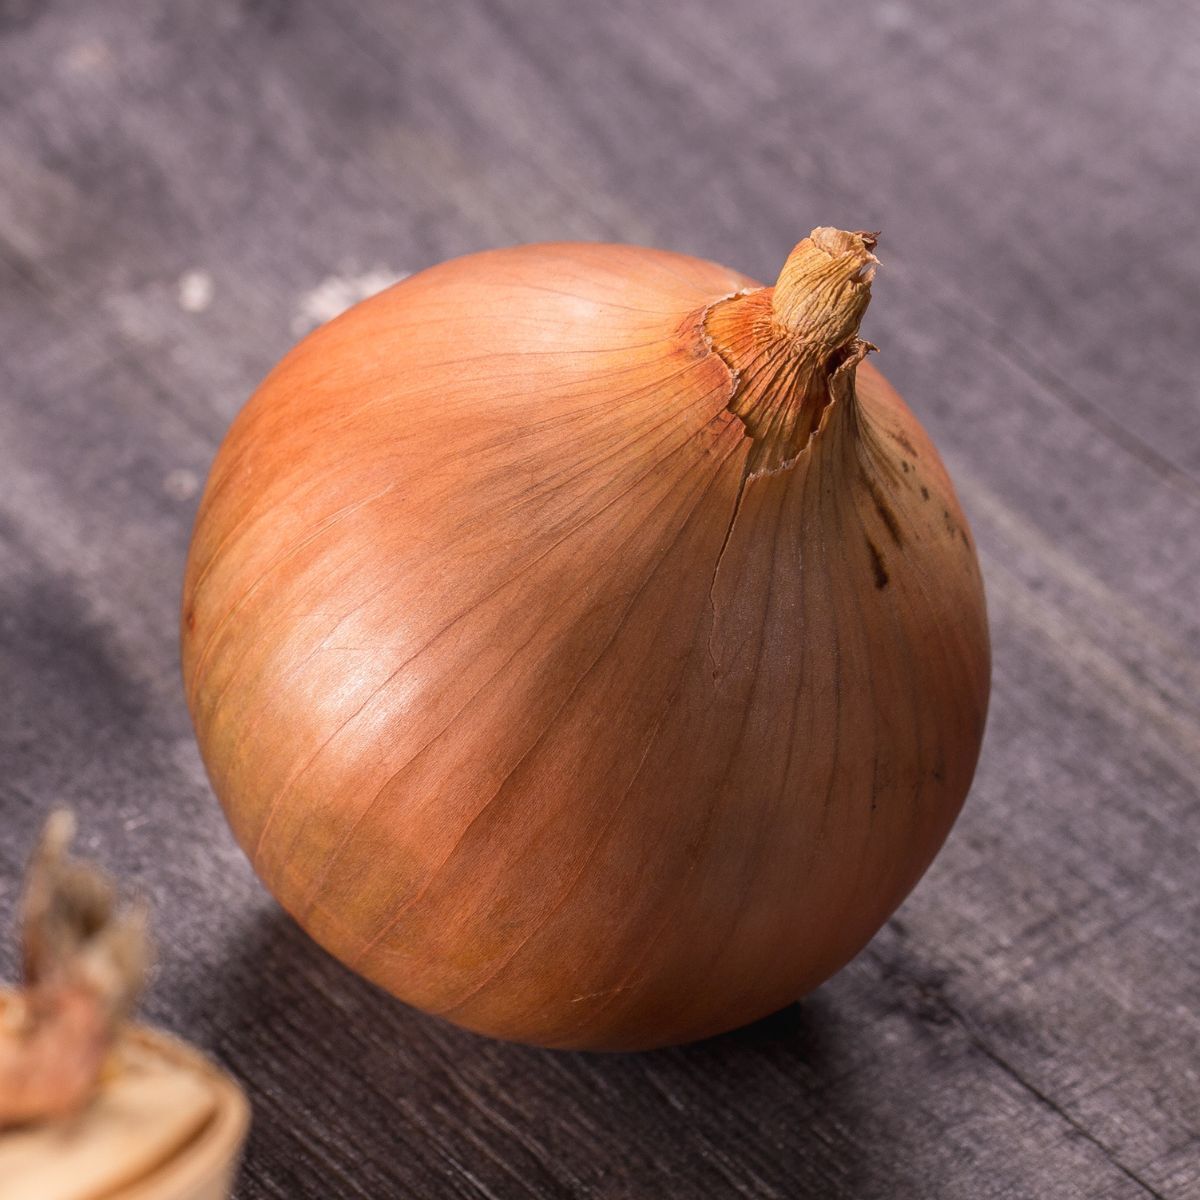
x=584, y=644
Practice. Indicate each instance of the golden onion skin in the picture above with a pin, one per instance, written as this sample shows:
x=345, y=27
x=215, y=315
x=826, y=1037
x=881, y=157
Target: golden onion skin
x=543, y=697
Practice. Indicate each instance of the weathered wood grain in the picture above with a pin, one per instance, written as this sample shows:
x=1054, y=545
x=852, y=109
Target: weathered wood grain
x=184, y=188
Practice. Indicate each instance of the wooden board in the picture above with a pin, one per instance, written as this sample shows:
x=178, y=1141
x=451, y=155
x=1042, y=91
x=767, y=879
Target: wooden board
x=185, y=188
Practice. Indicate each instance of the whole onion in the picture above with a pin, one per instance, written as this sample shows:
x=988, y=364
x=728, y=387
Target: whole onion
x=584, y=643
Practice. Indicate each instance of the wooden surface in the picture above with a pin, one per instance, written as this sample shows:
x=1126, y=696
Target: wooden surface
x=186, y=187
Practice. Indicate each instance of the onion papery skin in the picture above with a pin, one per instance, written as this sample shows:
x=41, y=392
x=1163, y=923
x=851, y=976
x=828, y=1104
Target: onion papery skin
x=532, y=699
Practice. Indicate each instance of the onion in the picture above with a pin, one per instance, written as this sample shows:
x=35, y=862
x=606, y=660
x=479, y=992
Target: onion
x=585, y=645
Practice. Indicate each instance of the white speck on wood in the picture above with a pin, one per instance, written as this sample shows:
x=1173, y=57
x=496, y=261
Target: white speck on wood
x=336, y=293
x=181, y=484
x=92, y=57
x=894, y=16
x=195, y=291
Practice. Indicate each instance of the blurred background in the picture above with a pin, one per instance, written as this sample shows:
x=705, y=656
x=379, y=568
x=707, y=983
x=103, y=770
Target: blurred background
x=186, y=188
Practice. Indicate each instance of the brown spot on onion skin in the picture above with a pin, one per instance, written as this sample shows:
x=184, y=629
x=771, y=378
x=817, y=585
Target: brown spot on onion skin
x=905, y=442
x=882, y=507
x=877, y=567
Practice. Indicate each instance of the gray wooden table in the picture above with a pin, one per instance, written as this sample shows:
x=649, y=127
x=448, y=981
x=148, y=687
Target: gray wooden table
x=186, y=187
